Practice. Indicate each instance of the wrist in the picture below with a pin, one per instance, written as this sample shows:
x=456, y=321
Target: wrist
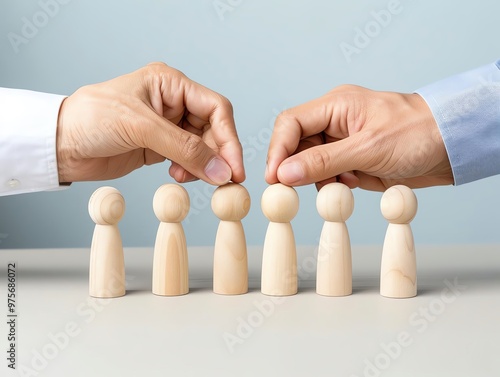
x=62, y=151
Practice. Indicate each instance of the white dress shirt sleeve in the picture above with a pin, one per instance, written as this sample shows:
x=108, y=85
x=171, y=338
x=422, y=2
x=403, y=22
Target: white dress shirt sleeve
x=467, y=110
x=28, y=123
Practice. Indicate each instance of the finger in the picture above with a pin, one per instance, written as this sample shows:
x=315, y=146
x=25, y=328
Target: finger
x=367, y=182
x=293, y=125
x=173, y=93
x=186, y=149
x=210, y=106
x=319, y=185
x=325, y=161
x=309, y=142
x=350, y=179
x=180, y=174
x=304, y=144
x=151, y=157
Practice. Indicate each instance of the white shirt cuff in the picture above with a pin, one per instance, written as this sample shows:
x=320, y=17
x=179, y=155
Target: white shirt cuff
x=28, y=124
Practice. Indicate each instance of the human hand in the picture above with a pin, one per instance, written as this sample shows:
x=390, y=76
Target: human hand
x=109, y=129
x=360, y=137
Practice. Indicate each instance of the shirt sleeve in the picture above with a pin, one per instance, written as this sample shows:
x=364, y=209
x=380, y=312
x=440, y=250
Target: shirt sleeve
x=467, y=110
x=28, y=123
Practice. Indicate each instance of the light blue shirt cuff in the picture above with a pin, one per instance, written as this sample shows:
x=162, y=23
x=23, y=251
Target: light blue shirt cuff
x=467, y=110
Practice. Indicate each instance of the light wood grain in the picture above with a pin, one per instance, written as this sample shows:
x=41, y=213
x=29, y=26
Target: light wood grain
x=170, y=261
x=107, y=265
x=230, y=203
x=280, y=204
x=398, y=272
x=335, y=204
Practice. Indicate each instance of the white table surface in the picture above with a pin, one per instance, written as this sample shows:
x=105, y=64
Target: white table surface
x=141, y=334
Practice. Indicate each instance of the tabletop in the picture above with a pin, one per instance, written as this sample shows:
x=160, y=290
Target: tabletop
x=452, y=327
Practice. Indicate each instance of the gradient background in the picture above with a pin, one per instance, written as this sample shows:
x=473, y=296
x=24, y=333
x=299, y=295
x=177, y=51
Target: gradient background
x=265, y=56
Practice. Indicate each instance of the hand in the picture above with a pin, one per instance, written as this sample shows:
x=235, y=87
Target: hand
x=107, y=130
x=360, y=137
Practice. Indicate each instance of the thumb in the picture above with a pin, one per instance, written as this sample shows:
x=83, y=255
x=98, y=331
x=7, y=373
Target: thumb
x=322, y=162
x=189, y=151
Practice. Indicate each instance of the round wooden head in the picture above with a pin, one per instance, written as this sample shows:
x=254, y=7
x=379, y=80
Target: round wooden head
x=106, y=206
x=335, y=202
x=280, y=203
x=231, y=202
x=171, y=203
x=399, y=204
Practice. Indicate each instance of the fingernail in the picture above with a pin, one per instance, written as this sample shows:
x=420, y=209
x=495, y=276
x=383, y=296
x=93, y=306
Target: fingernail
x=291, y=172
x=218, y=171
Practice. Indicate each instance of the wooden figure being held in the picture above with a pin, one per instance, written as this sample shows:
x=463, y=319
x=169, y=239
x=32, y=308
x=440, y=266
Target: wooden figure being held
x=280, y=204
x=231, y=204
x=335, y=204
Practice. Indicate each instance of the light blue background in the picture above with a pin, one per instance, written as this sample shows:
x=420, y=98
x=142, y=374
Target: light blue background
x=265, y=56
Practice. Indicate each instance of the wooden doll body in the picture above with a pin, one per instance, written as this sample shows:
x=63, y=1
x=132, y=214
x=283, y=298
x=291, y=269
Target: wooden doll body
x=335, y=204
x=334, y=273
x=170, y=261
x=280, y=204
x=230, y=203
x=398, y=272
x=107, y=265
x=279, y=263
x=230, y=259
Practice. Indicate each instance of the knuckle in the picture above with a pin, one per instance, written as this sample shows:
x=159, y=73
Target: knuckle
x=284, y=119
x=225, y=104
x=347, y=88
x=191, y=147
x=157, y=65
x=319, y=163
x=160, y=69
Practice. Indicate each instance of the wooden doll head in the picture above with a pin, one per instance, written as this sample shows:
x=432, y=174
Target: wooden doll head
x=106, y=206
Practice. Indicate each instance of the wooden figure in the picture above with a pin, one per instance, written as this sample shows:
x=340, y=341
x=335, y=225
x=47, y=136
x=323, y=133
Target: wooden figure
x=335, y=204
x=398, y=274
x=170, y=262
x=230, y=203
x=280, y=204
x=107, y=265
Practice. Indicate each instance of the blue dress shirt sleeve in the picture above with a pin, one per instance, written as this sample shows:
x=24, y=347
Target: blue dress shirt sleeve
x=467, y=110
